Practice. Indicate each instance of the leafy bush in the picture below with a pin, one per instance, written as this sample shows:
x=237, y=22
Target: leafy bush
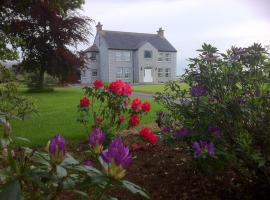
x=228, y=106
x=110, y=107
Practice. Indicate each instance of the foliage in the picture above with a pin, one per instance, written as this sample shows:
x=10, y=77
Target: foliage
x=47, y=29
x=228, y=105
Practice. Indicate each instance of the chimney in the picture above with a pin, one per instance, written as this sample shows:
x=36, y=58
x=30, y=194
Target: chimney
x=160, y=32
x=99, y=27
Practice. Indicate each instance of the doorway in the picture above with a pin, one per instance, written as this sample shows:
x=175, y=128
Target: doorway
x=148, y=77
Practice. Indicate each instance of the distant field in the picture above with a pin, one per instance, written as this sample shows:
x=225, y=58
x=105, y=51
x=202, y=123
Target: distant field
x=153, y=88
x=57, y=113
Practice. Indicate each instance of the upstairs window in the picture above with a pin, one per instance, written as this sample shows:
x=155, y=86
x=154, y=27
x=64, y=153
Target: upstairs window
x=147, y=54
x=94, y=72
x=160, y=57
x=167, y=57
x=122, y=56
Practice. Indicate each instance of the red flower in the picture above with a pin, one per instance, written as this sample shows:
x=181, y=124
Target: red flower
x=136, y=104
x=121, y=118
x=116, y=87
x=127, y=89
x=148, y=135
x=134, y=120
x=146, y=107
x=99, y=120
x=85, y=102
x=98, y=84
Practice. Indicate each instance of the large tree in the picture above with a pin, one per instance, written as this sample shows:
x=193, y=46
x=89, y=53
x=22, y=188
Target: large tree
x=49, y=29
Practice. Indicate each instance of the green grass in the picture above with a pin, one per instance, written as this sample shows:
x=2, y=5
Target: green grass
x=153, y=88
x=57, y=113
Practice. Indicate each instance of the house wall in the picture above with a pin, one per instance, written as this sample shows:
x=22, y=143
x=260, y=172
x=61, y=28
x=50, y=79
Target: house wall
x=103, y=69
x=167, y=64
x=113, y=64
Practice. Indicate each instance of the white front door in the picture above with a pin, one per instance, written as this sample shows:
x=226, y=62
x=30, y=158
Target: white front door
x=148, y=78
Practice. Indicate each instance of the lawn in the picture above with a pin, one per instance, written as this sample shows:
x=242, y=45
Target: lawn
x=57, y=113
x=153, y=88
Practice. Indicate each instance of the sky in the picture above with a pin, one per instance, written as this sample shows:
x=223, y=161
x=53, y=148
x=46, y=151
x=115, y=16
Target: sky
x=187, y=23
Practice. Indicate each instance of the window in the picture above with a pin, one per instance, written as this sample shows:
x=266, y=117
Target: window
x=94, y=72
x=160, y=57
x=167, y=72
x=93, y=56
x=122, y=56
x=160, y=72
x=147, y=54
x=127, y=73
x=123, y=73
x=84, y=73
x=167, y=57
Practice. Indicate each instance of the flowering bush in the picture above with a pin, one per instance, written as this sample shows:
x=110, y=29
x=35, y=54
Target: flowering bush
x=148, y=135
x=227, y=108
x=111, y=107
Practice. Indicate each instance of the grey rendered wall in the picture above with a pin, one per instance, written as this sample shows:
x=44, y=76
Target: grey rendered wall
x=113, y=64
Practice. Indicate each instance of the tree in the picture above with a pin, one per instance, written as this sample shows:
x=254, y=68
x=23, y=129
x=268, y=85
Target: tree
x=48, y=28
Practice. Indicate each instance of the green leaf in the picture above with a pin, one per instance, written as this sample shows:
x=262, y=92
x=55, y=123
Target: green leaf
x=82, y=194
x=69, y=160
x=12, y=192
x=135, y=189
x=23, y=139
x=61, y=171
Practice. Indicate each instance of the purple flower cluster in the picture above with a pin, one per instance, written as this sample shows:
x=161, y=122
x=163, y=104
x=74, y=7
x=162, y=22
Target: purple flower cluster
x=88, y=163
x=57, y=145
x=165, y=130
x=97, y=137
x=203, y=147
x=117, y=154
x=183, y=132
x=199, y=90
x=215, y=131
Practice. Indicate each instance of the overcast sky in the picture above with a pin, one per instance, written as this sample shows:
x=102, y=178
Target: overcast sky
x=187, y=23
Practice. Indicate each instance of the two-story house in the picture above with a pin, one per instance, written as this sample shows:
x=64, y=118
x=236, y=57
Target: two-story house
x=131, y=57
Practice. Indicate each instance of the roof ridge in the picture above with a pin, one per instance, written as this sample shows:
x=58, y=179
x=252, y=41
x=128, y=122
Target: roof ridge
x=129, y=32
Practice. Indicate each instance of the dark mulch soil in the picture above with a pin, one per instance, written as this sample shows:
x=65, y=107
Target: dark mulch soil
x=166, y=172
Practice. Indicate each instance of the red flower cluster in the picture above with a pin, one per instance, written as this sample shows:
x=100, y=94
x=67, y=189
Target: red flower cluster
x=134, y=120
x=99, y=120
x=146, y=106
x=98, y=84
x=137, y=105
x=85, y=102
x=120, y=88
x=148, y=135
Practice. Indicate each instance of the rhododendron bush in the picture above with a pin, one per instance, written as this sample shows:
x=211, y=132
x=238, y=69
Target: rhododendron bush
x=225, y=115
x=110, y=107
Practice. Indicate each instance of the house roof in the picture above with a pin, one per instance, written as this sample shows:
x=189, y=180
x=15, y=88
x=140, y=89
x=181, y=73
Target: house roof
x=132, y=41
x=93, y=48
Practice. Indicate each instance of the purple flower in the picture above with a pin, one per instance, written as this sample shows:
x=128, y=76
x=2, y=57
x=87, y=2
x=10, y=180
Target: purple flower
x=165, y=130
x=57, y=149
x=57, y=145
x=183, y=132
x=88, y=163
x=215, y=131
x=97, y=137
x=117, y=154
x=199, y=90
x=203, y=147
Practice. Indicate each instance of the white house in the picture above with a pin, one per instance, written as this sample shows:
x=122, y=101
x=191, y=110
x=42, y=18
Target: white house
x=131, y=57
